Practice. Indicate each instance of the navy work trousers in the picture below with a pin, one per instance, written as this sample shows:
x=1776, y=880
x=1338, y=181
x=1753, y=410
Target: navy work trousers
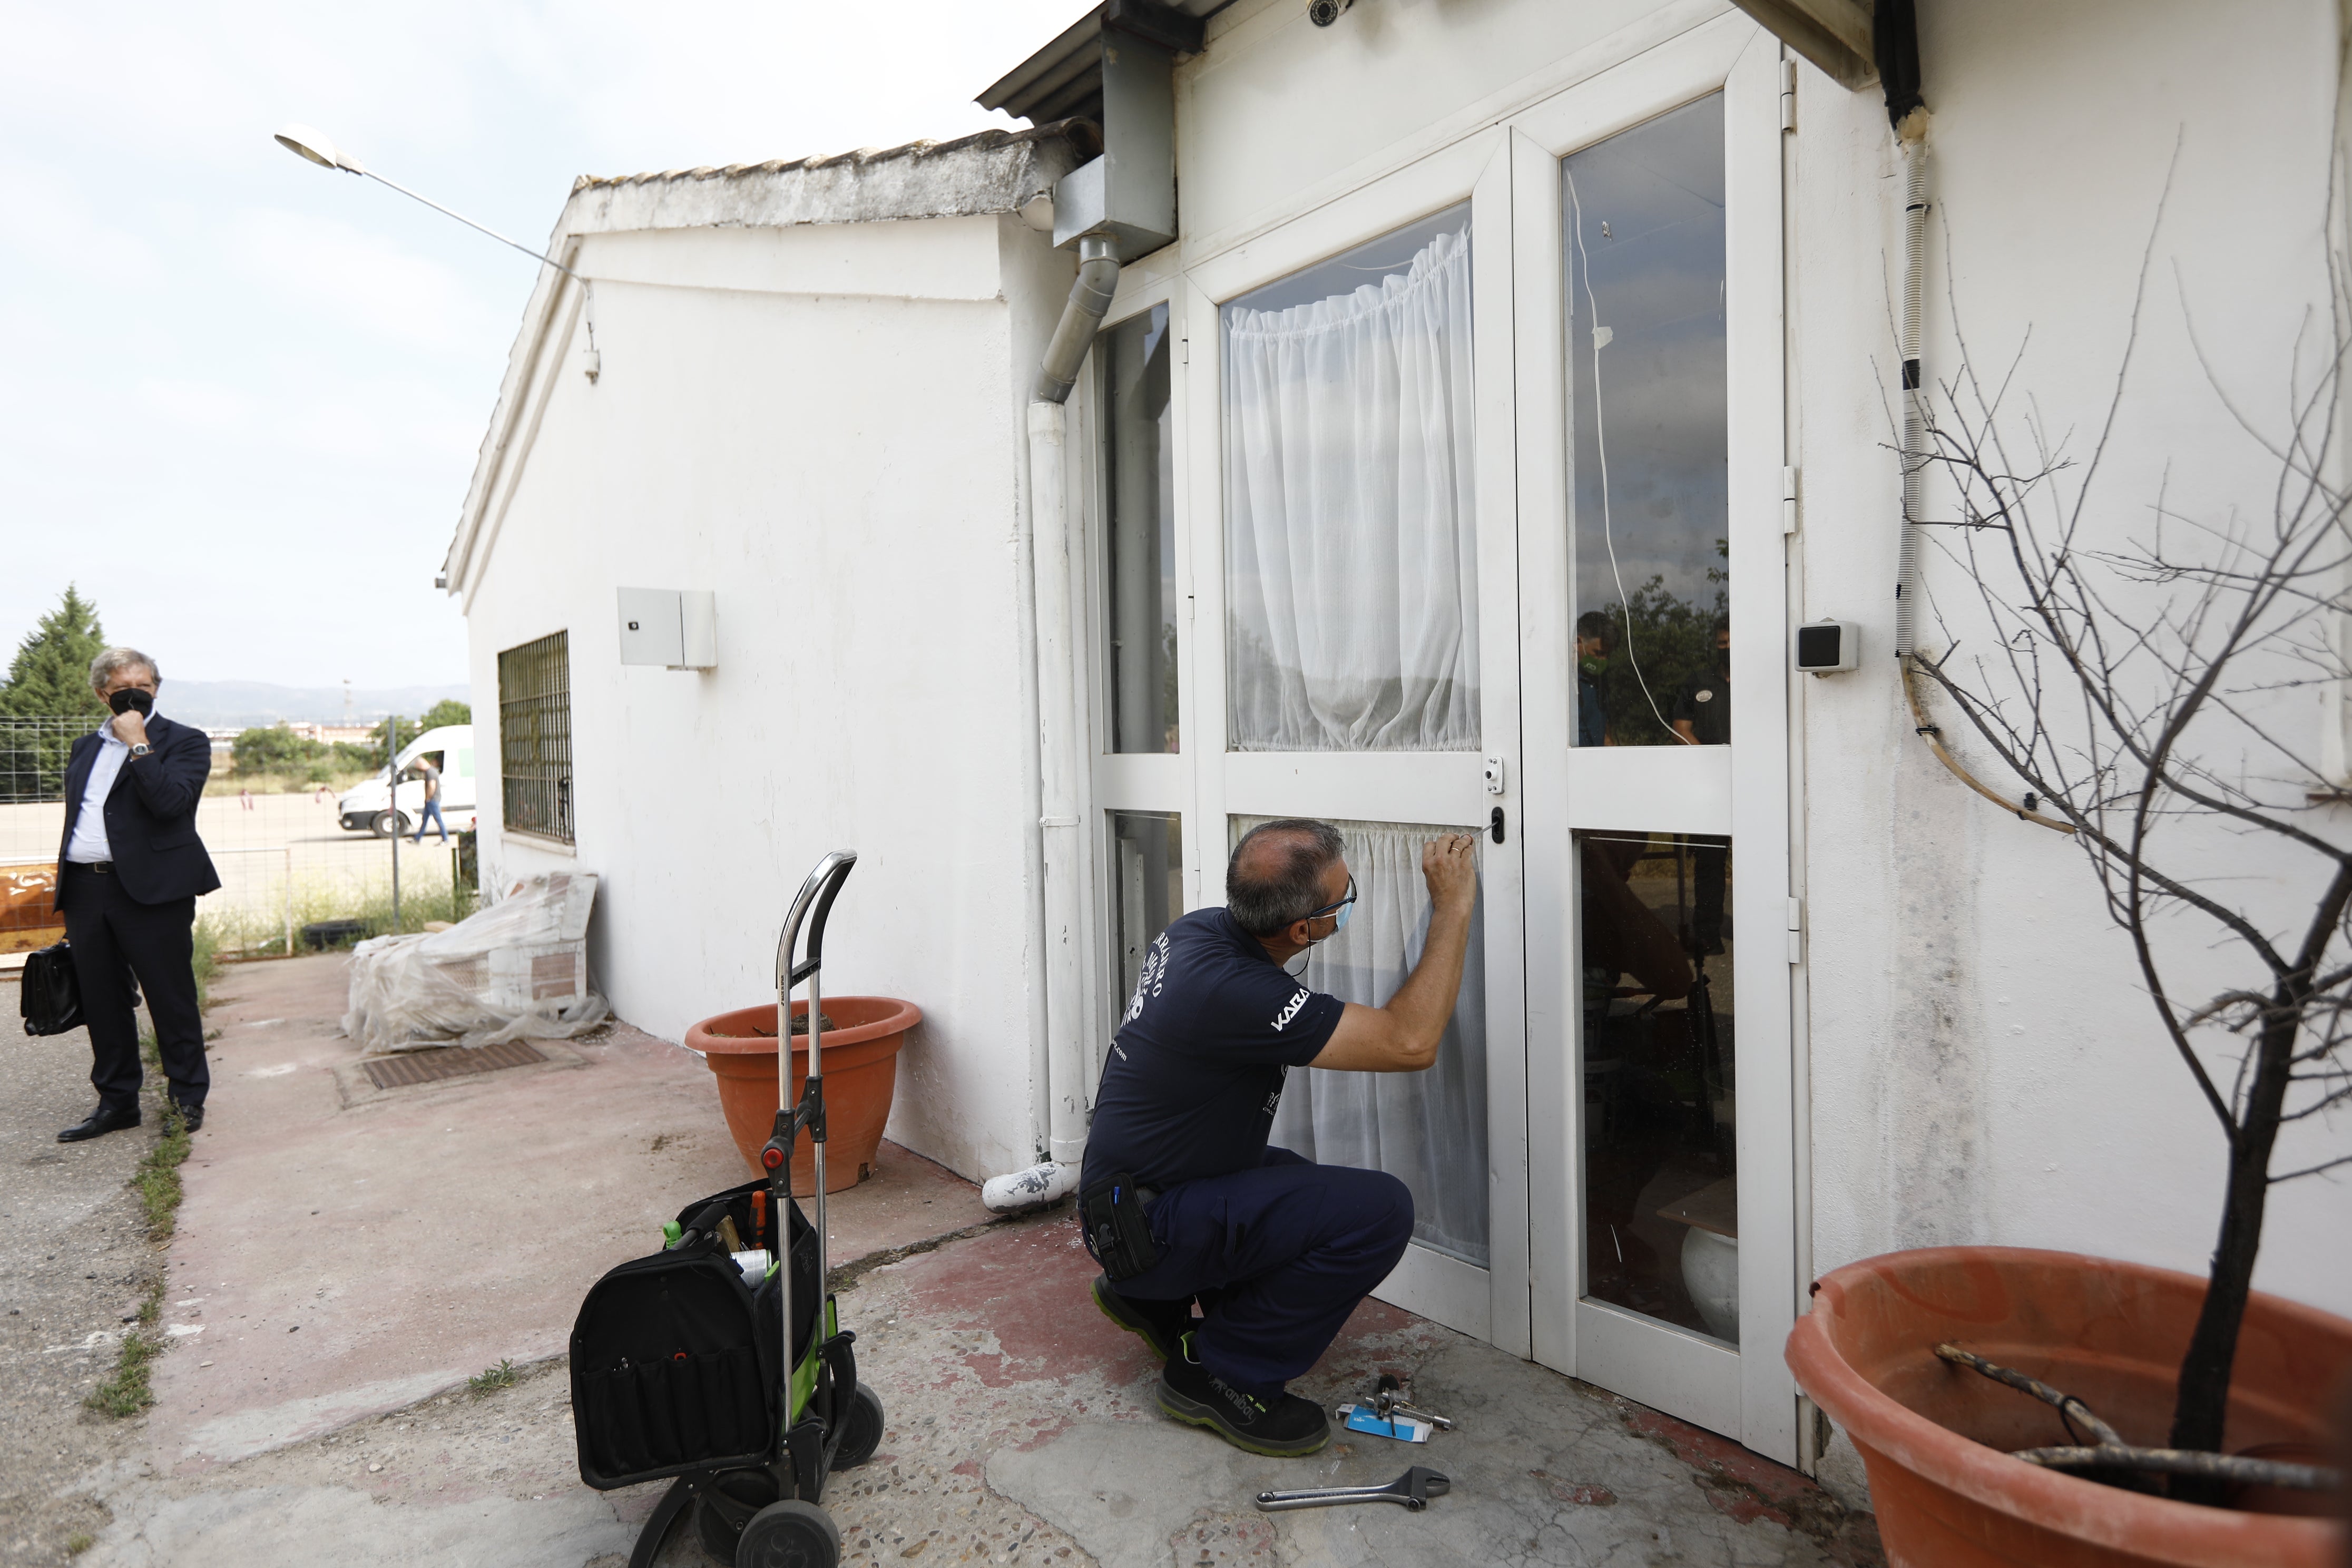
x=114, y=937
x=1279, y=1257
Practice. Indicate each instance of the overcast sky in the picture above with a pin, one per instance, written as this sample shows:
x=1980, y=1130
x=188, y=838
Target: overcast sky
x=241, y=395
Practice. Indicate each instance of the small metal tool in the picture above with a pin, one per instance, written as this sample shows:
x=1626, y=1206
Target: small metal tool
x=1388, y=1405
x=1414, y=1490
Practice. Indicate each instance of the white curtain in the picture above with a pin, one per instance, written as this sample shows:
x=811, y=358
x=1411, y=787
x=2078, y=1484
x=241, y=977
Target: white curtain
x=1350, y=549
x=1427, y=1129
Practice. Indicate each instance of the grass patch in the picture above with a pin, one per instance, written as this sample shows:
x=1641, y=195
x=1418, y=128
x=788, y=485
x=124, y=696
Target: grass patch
x=158, y=1179
x=126, y=1392
x=491, y=1379
x=79, y=1543
x=428, y=891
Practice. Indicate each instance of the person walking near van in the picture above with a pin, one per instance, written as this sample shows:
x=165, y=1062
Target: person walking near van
x=432, y=812
x=129, y=870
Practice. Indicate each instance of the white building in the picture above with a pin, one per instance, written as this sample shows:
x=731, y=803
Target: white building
x=1342, y=472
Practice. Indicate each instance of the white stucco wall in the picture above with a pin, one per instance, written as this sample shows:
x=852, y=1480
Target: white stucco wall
x=1985, y=1065
x=822, y=431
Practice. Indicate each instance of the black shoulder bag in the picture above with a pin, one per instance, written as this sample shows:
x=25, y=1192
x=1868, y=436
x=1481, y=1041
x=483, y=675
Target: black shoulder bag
x=51, y=993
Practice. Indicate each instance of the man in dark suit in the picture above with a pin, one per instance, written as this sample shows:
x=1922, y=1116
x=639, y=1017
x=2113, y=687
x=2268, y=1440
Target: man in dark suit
x=129, y=870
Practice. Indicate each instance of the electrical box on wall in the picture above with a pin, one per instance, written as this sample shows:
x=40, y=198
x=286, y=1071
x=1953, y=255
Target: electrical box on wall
x=1825, y=648
x=672, y=628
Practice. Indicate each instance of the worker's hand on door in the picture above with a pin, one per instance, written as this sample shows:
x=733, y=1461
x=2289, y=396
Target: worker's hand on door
x=1450, y=867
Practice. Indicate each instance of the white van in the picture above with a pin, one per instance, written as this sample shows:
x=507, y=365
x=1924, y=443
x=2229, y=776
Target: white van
x=367, y=807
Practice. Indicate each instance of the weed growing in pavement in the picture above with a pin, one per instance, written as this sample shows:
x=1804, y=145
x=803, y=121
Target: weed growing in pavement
x=158, y=1177
x=126, y=1393
x=79, y=1542
x=491, y=1379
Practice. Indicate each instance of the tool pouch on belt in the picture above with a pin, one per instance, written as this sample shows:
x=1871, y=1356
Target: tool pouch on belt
x=1120, y=1238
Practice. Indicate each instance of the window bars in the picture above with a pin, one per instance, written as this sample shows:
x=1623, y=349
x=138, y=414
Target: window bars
x=535, y=737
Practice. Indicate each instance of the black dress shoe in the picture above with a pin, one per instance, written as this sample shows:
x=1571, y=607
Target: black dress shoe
x=191, y=1116
x=99, y=1123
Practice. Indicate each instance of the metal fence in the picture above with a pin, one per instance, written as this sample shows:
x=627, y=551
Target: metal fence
x=286, y=861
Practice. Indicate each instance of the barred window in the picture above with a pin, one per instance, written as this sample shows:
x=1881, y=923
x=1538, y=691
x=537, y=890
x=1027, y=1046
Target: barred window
x=535, y=736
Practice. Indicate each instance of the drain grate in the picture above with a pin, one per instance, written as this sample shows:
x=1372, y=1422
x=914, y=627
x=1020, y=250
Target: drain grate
x=448, y=1061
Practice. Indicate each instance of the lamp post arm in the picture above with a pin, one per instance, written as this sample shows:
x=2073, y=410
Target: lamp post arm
x=469, y=223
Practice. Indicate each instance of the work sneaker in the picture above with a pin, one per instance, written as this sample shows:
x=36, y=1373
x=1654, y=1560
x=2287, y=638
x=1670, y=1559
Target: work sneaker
x=1158, y=1324
x=1283, y=1427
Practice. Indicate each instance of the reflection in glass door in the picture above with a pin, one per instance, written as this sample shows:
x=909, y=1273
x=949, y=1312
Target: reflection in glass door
x=1661, y=1076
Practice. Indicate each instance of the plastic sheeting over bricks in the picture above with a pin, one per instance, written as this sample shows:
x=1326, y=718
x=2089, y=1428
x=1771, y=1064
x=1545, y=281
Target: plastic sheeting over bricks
x=516, y=970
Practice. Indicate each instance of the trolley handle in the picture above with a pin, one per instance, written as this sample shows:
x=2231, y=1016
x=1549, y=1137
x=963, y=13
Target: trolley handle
x=823, y=885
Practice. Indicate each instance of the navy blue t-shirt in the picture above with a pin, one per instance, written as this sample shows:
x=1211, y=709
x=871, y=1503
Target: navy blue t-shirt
x=1196, y=1069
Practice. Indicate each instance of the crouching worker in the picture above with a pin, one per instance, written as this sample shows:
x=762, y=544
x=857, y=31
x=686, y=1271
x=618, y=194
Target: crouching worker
x=1180, y=1197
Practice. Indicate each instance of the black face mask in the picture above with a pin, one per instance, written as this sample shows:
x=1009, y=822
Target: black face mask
x=130, y=697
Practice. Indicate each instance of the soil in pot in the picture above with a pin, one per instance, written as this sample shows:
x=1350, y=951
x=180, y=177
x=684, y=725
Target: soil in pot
x=862, y=1039
x=1936, y=1438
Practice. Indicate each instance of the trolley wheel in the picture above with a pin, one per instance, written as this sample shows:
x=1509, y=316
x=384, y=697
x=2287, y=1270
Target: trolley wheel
x=861, y=1429
x=789, y=1534
x=729, y=1502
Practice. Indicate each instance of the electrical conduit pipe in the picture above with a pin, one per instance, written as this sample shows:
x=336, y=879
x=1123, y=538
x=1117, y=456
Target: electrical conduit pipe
x=1055, y=903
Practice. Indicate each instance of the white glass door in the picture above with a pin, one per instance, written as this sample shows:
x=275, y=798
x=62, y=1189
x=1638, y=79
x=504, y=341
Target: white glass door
x=1358, y=662
x=1651, y=412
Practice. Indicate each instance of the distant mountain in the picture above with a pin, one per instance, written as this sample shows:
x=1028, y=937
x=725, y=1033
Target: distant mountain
x=237, y=704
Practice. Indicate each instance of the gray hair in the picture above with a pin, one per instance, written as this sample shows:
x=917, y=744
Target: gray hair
x=1283, y=880
x=113, y=660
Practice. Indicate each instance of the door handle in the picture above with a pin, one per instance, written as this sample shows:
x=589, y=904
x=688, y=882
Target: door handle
x=1495, y=824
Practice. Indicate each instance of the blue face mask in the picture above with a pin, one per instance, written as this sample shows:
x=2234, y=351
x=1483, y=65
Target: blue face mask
x=1345, y=911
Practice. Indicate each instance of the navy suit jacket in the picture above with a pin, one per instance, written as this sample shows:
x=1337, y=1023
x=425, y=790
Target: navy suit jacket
x=151, y=813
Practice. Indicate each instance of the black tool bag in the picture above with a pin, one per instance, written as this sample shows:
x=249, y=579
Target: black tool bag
x=51, y=993
x=674, y=1356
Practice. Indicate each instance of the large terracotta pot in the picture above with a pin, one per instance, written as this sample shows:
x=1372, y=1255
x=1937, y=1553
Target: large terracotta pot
x=861, y=1072
x=1935, y=1437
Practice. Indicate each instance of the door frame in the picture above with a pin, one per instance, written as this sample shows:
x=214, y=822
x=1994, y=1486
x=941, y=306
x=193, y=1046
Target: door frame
x=1744, y=792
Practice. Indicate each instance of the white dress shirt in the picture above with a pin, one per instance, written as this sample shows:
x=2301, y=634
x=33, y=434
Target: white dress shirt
x=89, y=845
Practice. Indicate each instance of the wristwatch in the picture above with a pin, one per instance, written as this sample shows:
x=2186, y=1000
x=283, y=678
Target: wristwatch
x=141, y=749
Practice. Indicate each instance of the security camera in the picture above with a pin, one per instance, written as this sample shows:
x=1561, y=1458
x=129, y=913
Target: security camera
x=1323, y=13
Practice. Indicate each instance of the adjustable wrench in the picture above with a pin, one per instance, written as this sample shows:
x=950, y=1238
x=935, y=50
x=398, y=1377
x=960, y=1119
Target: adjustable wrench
x=1414, y=1490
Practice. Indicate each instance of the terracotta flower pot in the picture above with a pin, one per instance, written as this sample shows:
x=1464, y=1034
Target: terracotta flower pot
x=861, y=1072
x=1935, y=1437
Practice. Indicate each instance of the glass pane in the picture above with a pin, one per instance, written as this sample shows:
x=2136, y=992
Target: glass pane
x=1643, y=214
x=1351, y=568
x=1139, y=556
x=1427, y=1129
x=1662, y=1197
x=1147, y=875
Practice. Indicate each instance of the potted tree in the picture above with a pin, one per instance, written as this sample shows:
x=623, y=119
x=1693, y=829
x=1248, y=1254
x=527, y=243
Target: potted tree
x=2024, y=1406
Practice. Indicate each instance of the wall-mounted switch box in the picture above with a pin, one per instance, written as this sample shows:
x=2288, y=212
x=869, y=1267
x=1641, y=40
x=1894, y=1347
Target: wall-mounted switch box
x=1825, y=648
x=670, y=628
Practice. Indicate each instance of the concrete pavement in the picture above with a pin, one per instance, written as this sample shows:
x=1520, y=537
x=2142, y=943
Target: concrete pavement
x=460, y=1224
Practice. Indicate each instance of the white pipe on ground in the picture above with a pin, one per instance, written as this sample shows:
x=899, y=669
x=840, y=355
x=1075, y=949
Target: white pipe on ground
x=1053, y=639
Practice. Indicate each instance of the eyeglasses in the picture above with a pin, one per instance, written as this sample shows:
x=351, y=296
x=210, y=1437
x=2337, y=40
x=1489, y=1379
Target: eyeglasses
x=1334, y=909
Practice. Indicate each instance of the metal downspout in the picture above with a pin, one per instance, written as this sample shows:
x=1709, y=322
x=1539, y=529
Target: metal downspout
x=1060, y=841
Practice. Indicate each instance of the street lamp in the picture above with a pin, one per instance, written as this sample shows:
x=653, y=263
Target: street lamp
x=313, y=144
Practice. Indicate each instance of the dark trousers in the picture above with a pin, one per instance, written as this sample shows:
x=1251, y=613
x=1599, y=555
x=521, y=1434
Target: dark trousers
x=1279, y=1257
x=115, y=937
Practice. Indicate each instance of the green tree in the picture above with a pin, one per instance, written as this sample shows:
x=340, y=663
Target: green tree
x=446, y=711
x=275, y=748
x=51, y=674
